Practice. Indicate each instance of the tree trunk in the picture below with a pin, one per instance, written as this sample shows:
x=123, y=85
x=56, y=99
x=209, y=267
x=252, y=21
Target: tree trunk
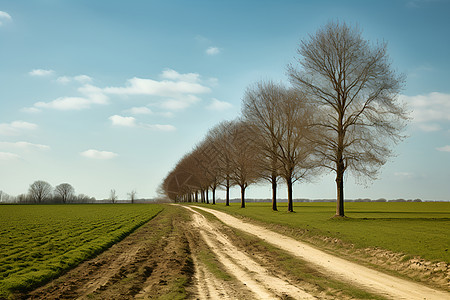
x=196, y=196
x=207, y=195
x=340, y=189
x=340, y=167
x=290, y=202
x=227, y=201
x=214, y=195
x=274, y=192
x=243, y=196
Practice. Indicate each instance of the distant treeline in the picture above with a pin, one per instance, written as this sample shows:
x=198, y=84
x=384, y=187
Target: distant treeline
x=237, y=200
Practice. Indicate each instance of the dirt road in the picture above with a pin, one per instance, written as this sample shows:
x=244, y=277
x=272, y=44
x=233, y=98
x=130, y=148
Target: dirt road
x=186, y=254
x=372, y=280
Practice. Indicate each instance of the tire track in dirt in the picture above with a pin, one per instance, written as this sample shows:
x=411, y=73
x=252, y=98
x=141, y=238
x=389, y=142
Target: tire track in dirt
x=208, y=286
x=101, y=278
x=375, y=281
x=254, y=276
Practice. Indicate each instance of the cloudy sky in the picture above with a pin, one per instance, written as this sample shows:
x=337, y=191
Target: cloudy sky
x=110, y=94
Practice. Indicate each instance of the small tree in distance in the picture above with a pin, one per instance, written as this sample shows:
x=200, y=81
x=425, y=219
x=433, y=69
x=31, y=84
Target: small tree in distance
x=65, y=191
x=40, y=191
x=113, y=196
x=132, y=195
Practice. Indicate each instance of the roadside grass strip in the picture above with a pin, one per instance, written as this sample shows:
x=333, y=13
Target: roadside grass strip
x=40, y=242
x=412, y=228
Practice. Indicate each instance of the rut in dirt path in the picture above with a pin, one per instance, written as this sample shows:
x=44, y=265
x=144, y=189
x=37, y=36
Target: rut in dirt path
x=254, y=276
x=371, y=280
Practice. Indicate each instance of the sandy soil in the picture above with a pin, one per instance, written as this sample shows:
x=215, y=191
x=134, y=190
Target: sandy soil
x=259, y=280
x=369, y=279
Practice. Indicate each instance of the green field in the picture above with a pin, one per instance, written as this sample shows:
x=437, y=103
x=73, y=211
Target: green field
x=413, y=228
x=39, y=242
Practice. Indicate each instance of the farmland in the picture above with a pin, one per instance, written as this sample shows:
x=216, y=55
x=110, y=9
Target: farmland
x=38, y=243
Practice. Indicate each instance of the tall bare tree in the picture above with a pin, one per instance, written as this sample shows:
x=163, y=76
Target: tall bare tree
x=220, y=137
x=260, y=108
x=40, y=191
x=295, y=149
x=245, y=156
x=351, y=82
x=65, y=191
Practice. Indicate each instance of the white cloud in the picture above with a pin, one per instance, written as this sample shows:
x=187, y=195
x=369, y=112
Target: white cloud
x=175, y=91
x=95, y=94
x=16, y=127
x=63, y=79
x=31, y=110
x=174, y=75
x=428, y=110
x=4, y=16
x=84, y=79
x=139, y=111
x=96, y=154
x=212, y=51
x=123, y=121
x=23, y=145
x=92, y=95
x=159, y=127
x=444, y=149
x=8, y=156
x=165, y=88
x=65, y=103
x=219, y=105
x=180, y=103
x=131, y=122
x=41, y=72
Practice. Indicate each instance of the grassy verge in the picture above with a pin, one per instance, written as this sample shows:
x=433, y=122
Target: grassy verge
x=38, y=243
x=415, y=229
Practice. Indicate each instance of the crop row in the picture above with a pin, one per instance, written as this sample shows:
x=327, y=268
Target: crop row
x=40, y=242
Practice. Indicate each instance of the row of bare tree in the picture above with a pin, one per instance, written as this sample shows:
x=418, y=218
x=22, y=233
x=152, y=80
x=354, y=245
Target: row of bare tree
x=340, y=114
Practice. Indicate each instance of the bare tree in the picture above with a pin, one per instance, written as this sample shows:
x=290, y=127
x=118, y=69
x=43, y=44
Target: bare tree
x=260, y=108
x=65, y=191
x=245, y=156
x=40, y=191
x=113, y=196
x=351, y=83
x=220, y=138
x=132, y=195
x=295, y=149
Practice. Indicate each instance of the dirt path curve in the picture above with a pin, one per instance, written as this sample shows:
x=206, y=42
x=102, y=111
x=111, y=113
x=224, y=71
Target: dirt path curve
x=260, y=281
x=369, y=279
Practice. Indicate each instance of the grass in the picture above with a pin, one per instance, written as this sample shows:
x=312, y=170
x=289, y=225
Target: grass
x=40, y=242
x=413, y=228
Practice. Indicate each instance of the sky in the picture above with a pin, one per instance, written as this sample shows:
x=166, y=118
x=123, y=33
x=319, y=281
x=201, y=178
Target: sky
x=111, y=94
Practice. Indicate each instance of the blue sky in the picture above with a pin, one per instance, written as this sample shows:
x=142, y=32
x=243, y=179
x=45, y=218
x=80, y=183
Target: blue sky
x=110, y=94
